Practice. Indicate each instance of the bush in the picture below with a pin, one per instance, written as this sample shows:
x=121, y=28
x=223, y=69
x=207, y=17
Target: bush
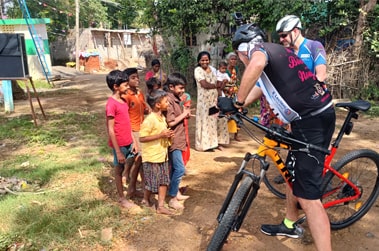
x=184, y=62
x=370, y=92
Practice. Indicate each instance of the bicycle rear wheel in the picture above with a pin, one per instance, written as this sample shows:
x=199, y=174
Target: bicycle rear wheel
x=232, y=212
x=362, y=168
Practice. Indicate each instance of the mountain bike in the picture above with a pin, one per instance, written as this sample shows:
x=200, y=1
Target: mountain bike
x=350, y=186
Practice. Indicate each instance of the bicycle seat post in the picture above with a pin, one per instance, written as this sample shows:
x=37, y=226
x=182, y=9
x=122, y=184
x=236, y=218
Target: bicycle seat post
x=353, y=108
x=346, y=128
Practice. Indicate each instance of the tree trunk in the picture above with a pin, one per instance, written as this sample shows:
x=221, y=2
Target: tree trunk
x=365, y=7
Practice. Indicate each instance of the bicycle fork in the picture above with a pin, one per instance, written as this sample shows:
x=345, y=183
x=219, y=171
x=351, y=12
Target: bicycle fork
x=252, y=192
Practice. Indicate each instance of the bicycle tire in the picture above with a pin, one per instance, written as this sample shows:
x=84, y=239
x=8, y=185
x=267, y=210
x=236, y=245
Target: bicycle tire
x=224, y=228
x=362, y=168
x=278, y=189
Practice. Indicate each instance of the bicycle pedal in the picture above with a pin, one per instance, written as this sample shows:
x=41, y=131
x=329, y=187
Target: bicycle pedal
x=299, y=231
x=300, y=221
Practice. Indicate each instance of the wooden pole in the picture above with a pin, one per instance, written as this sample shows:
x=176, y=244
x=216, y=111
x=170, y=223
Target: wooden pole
x=77, y=35
x=122, y=46
x=36, y=94
x=8, y=96
x=31, y=105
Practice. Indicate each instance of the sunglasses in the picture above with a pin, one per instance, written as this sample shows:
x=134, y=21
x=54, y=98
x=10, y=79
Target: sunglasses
x=284, y=35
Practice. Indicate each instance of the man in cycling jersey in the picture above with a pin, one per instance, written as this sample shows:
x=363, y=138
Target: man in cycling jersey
x=312, y=52
x=298, y=98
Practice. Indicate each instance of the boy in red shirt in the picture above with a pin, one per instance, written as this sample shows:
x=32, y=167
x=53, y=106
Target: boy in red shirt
x=119, y=130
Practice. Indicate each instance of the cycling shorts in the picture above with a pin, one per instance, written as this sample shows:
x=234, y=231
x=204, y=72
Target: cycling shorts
x=317, y=130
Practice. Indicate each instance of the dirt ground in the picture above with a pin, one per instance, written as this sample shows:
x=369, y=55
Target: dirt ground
x=208, y=178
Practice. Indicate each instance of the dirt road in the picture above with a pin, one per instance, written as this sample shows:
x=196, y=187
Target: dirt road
x=208, y=178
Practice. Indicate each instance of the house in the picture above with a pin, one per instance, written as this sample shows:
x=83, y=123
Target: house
x=115, y=49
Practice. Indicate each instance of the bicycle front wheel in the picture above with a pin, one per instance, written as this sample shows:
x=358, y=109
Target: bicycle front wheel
x=232, y=212
x=361, y=167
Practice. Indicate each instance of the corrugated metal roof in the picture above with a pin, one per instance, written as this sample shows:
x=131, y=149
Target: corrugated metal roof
x=140, y=31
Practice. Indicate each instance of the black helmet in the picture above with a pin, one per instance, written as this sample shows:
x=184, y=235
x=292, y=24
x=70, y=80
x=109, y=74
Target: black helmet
x=245, y=34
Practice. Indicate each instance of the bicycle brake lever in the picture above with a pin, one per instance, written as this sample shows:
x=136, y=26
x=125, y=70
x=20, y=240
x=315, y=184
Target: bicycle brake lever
x=304, y=150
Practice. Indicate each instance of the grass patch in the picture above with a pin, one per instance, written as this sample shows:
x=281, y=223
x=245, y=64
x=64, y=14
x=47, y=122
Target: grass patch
x=56, y=92
x=63, y=161
x=58, y=130
x=374, y=110
x=37, y=84
x=54, y=219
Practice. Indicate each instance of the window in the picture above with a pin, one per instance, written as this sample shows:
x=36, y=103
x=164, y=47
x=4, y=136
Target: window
x=7, y=28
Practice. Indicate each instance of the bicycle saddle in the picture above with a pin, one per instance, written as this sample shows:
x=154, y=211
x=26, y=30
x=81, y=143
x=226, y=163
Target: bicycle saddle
x=358, y=105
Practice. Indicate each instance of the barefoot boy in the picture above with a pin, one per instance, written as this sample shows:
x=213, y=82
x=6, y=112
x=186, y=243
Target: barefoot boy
x=155, y=138
x=119, y=130
x=137, y=110
x=175, y=116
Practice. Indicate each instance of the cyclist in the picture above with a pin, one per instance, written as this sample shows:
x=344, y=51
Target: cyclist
x=312, y=52
x=298, y=98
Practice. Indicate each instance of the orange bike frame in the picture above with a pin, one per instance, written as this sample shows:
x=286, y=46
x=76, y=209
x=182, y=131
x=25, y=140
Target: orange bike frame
x=267, y=149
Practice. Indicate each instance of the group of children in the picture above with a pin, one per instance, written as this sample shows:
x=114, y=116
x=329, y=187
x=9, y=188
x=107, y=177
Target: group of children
x=157, y=142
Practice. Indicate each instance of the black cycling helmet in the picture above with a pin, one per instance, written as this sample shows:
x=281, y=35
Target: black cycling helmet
x=246, y=33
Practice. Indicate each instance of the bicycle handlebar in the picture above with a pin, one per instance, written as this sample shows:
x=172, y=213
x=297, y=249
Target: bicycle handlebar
x=278, y=136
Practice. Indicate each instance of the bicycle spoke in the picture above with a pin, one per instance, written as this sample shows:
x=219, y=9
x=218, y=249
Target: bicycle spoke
x=362, y=170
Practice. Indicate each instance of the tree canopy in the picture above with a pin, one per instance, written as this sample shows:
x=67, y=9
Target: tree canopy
x=185, y=19
x=110, y=14
x=330, y=21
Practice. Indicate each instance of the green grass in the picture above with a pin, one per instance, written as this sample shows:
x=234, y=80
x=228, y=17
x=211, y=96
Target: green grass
x=374, y=110
x=64, y=163
x=40, y=220
x=57, y=130
x=37, y=84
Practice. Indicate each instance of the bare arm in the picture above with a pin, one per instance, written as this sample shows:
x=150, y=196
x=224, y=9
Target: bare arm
x=255, y=94
x=250, y=76
x=207, y=85
x=321, y=72
x=185, y=114
x=112, y=136
x=167, y=133
x=135, y=145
